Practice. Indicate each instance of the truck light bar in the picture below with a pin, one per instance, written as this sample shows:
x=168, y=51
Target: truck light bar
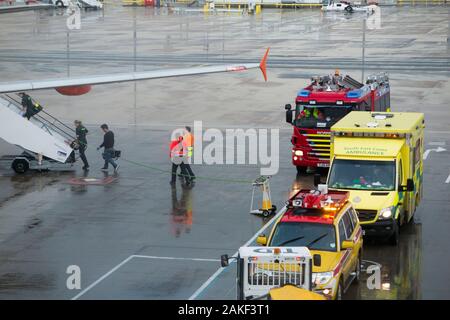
x=314, y=199
x=369, y=134
x=303, y=93
x=354, y=94
x=358, y=93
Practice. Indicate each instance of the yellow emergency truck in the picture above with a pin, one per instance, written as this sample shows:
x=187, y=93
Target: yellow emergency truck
x=377, y=157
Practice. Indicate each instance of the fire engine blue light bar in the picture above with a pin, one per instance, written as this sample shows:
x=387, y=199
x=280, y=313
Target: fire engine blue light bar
x=303, y=93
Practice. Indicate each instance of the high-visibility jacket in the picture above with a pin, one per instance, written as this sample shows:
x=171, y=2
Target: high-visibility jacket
x=188, y=141
x=314, y=114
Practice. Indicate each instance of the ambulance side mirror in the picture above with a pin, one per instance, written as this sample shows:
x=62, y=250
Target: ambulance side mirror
x=261, y=240
x=288, y=109
x=409, y=186
x=317, y=260
x=224, y=260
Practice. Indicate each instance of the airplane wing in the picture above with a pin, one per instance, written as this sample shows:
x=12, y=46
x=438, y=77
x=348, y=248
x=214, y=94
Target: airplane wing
x=81, y=85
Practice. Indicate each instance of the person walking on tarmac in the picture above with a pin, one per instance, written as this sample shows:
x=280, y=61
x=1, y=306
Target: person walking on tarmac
x=178, y=154
x=81, y=132
x=108, y=145
x=188, y=142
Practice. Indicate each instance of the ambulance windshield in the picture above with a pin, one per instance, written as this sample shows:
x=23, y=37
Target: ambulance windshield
x=315, y=236
x=319, y=116
x=362, y=175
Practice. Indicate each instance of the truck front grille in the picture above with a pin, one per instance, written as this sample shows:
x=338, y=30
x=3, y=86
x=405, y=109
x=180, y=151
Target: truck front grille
x=320, y=145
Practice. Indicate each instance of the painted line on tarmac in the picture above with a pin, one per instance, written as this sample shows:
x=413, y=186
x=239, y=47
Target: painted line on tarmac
x=437, y=150
x=176, y=258
x=106, y=275
x=437, y=143
x=448, y=179
x=221, y=269
x=117, y=267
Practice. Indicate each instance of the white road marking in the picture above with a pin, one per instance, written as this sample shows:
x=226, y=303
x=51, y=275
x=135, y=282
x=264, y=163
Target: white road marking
x=176, y=258
x=437, y=143
x=448, y=179
x=427, y=152
x=221, y=269
x=106, y=275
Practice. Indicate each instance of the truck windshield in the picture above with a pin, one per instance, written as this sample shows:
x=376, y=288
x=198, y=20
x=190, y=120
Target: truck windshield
x=319, y=116
x=363, y=175
x=315, y=236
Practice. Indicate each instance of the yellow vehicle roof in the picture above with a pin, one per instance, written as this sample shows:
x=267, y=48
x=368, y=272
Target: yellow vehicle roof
x=363, y=147
x=290, y=292
x=395, y=122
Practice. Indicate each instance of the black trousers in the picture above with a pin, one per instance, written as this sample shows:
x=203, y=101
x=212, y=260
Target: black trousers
x=83, y=158
x=183, y=169
x=189, y=170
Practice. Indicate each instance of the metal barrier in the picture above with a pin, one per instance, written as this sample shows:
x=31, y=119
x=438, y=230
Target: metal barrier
x=421, y=2
x=280, y=5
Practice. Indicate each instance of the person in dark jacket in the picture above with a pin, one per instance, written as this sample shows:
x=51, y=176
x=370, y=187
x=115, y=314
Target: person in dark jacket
x=29, y=108
x=81, y=133
x=108, y=145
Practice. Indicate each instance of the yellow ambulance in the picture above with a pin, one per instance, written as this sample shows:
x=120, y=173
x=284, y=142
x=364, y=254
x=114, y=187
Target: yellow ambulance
x=377, y=157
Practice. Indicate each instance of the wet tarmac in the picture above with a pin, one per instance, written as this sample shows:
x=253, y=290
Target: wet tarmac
x=136, y=237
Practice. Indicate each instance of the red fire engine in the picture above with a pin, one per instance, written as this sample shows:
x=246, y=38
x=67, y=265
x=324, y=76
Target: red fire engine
x=324, y=102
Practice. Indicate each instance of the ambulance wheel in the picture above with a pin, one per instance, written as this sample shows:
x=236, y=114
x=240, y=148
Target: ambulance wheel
x=301, y=170
x=358, y=270
x=339, y=291
x=349, y=9
x=393, y=240
x=20, y=166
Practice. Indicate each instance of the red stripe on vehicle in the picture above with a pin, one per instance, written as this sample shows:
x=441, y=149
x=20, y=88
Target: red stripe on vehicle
x=341, y=262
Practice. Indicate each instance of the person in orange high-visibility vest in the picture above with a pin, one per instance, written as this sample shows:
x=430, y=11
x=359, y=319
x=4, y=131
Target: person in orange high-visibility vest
x=188, y=140
x=178, y=158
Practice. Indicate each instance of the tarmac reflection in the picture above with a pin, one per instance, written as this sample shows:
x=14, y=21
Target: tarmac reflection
x=182, y=213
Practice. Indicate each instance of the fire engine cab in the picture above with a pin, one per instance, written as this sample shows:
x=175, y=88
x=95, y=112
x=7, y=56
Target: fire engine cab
x=321, y=104
x=327, y=224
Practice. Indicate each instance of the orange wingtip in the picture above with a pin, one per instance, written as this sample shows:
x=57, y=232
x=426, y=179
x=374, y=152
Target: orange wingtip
x=263, y=64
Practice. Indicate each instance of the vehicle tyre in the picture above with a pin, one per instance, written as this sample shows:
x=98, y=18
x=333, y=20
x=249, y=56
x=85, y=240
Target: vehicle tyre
x=59, y=4
x=20, y=166
x=266, y=213
x=349, y=9
x=301, y=170
x=340, y=291
x=416, y=204
x=358, y=269
x=274, y=208
x=393, y=240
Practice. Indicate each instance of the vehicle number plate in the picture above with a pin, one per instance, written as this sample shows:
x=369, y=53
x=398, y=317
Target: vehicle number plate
x=323, y=165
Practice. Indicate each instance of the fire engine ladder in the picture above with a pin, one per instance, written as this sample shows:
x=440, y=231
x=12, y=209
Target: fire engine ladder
x=42, y=135
x=352, y=83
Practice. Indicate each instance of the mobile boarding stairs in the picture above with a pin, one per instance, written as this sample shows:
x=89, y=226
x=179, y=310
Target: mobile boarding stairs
x=47, y=143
